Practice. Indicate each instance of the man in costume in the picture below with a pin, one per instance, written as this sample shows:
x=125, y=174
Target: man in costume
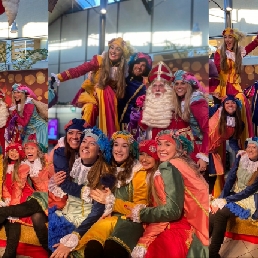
x=139, y=67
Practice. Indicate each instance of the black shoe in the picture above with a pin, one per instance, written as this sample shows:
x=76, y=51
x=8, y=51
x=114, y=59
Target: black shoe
x=114, y=250
x=93, y=249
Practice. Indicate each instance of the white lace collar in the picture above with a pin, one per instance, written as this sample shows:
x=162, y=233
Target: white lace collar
x=80, y=172
x=10, y=169
x=231, y=121
x=136, y=167
x=35, y=167
x=247, y=164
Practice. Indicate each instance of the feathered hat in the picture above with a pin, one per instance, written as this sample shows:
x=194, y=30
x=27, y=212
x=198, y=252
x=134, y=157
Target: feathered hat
x=101, y=139
x=32, y=141
x=124, y=45
x=174, y=137
x=23, y=88
x=133, y=145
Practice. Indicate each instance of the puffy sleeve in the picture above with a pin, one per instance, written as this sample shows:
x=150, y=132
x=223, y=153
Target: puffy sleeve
x=174, y=190
x=5, y=193
x=27, y=114
x=250, y=47
x=72, y=73
x=61, y=164
x=18, y=186
x=200, y=111
x=139, y=194
x=217, y=60
x=231, y=179
x=154, y=229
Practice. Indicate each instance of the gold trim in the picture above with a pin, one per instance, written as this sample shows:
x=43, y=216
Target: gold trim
x=126, y=106
x=198, y=203
x=119, y=241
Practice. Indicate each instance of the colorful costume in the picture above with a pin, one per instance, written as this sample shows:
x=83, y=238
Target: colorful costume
x=102, y=103
x=252, y=92
x=174, y=230
x=238, y=198
x=199, y=115
x=216, y=140
x=117, y=228
x=71, y=221
x=3, y=119
x=37, y=202
x=134, y=88
x=230, y=80
x=30, y=121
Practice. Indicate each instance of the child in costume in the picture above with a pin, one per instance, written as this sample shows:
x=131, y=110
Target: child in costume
x=228, y=60
x=239, y=197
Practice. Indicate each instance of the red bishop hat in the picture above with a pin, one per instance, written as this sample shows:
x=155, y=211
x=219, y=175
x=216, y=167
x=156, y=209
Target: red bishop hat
x=160, y=72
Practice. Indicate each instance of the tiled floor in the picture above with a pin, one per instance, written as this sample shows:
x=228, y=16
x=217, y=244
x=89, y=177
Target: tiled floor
x=18, y=256
x=238, y=248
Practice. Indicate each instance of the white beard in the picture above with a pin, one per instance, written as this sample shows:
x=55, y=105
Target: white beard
x=157, y=111
x=3, y=114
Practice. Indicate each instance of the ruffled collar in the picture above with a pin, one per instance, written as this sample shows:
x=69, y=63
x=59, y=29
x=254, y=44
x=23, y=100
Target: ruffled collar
x=10, y=169
x=136, y=167
x=35, y=167
x=249, y=165
x=80, y=172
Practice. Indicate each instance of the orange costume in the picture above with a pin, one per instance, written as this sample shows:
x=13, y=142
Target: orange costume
x=230, y=80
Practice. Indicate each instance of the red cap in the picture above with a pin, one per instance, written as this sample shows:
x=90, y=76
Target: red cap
x=149, y=147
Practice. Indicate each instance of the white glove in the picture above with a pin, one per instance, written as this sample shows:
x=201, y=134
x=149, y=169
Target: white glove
x=70, y=241
x=2, y=204
x=56, y=79
x=12, y=108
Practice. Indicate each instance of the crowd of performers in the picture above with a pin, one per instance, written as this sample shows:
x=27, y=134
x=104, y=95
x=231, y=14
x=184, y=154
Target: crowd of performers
x=135, y=176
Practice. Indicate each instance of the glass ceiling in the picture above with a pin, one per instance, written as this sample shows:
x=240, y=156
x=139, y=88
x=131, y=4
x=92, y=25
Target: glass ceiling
x=85, y=4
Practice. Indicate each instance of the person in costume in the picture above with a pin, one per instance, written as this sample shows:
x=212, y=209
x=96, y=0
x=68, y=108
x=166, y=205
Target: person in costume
x=15, y=190
x=3, y=119
x=139, y=67
x=252, y=92
x=108, y=84
x=191, y=105
x=90, y=170
x=156, y=111
x=239, y=197
x=228, y=60
x=224, y=124
x=178, y=188
x=115, y=236
x=25, y=115
x=40, y=170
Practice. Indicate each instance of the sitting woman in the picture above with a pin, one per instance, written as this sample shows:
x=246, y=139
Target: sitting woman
x=116, y=236
x=176, y=189
x=224, y=124
x=15, y=190
x=77, y=216
x=36, y=204
x=239, y=197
